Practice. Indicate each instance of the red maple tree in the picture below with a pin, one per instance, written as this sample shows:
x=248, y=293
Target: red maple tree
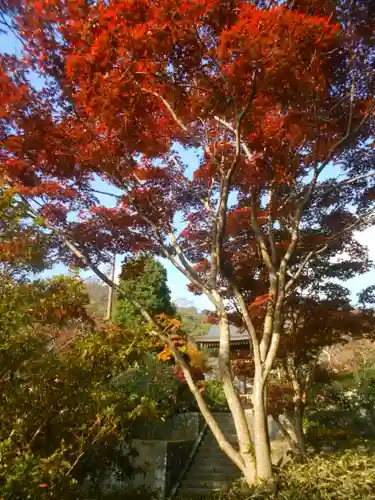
x=311, y=325
x=275, y=99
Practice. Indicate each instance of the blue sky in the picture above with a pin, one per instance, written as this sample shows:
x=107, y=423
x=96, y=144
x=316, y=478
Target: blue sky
x=176, y=281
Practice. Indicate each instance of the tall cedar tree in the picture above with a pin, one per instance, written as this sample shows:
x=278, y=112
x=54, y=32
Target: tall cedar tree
x=275, y=99
x=144, y=279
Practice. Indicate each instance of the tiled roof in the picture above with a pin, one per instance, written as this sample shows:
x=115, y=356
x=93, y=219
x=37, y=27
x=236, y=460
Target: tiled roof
x=237, y=336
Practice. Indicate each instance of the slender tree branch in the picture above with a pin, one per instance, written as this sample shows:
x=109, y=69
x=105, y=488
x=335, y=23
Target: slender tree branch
x=172, y=112
x=341, y=141
x=221, y=214
x=272, y=350
x=346, y=182
x=302, y=266
x=271, y=236
x=260, y=237
x=105, y=193
x=249, y=324
x=318, y=251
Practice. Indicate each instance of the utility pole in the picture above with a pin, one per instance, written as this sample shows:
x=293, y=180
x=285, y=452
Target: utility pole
x=111, y=290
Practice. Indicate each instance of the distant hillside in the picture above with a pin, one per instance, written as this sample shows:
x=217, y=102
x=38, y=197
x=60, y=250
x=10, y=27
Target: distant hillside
x=349, y=357
x=98, y=293
x=191, y=318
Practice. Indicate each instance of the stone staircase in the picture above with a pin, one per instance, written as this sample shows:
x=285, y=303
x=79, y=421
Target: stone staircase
x=210, y=468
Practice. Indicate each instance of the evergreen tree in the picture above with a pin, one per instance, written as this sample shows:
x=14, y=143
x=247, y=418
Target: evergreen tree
x=143, y=278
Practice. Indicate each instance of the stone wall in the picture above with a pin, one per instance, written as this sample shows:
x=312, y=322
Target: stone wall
x=152, y=458
x=162, y=462
x=184, y=426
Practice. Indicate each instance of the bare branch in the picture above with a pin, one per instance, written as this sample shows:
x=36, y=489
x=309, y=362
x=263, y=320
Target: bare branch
x=172, y=112
x=346, y=182
x=271, y=236
x=249, y=324
x=105, y=193
x=221, y=214
x=341, y=141
x=305, y=261
x=260, y=238
x=314, y=253
x=185, y=268
x=352, y=93
x=225, y=123
x=272, y=350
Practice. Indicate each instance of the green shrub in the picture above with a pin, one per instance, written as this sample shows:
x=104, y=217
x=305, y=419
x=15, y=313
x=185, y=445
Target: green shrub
x=344, y=409
x=155, y=383
x=64, y=421
x=214, y=395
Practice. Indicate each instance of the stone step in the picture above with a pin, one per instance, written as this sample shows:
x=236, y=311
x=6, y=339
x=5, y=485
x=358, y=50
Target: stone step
x=213, y=459
x=214, y=475
x=231, y=435
x=232, y=438
x=212, y=452
x=214, y=469
x=226, y=429
x=207, y=460
x=191, y=493
x=201, y=490
x=211, y=470
x=211, y=441
x=209, y=485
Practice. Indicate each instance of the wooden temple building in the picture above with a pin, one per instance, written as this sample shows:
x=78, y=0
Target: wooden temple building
x=240, y=352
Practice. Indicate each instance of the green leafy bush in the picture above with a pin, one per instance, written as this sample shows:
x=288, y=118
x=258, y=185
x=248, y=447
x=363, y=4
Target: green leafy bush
x=214, y=395
x=155, y=384
x=344, y=408
x=64, y=421
x=56, y=410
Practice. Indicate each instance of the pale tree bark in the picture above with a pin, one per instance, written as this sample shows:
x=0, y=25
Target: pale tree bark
x=289, y=436
x=261, y=435
x=301, y=387
x=260, y=426
x=233, y=400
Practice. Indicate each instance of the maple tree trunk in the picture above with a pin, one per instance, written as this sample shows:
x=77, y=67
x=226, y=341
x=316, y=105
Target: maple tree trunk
x=261, y=436
x=290, y=439
x=299, y=402
x=235, y=405
x=298, y=422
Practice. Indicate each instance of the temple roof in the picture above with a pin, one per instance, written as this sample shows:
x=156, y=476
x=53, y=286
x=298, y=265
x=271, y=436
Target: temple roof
x=238, y=336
